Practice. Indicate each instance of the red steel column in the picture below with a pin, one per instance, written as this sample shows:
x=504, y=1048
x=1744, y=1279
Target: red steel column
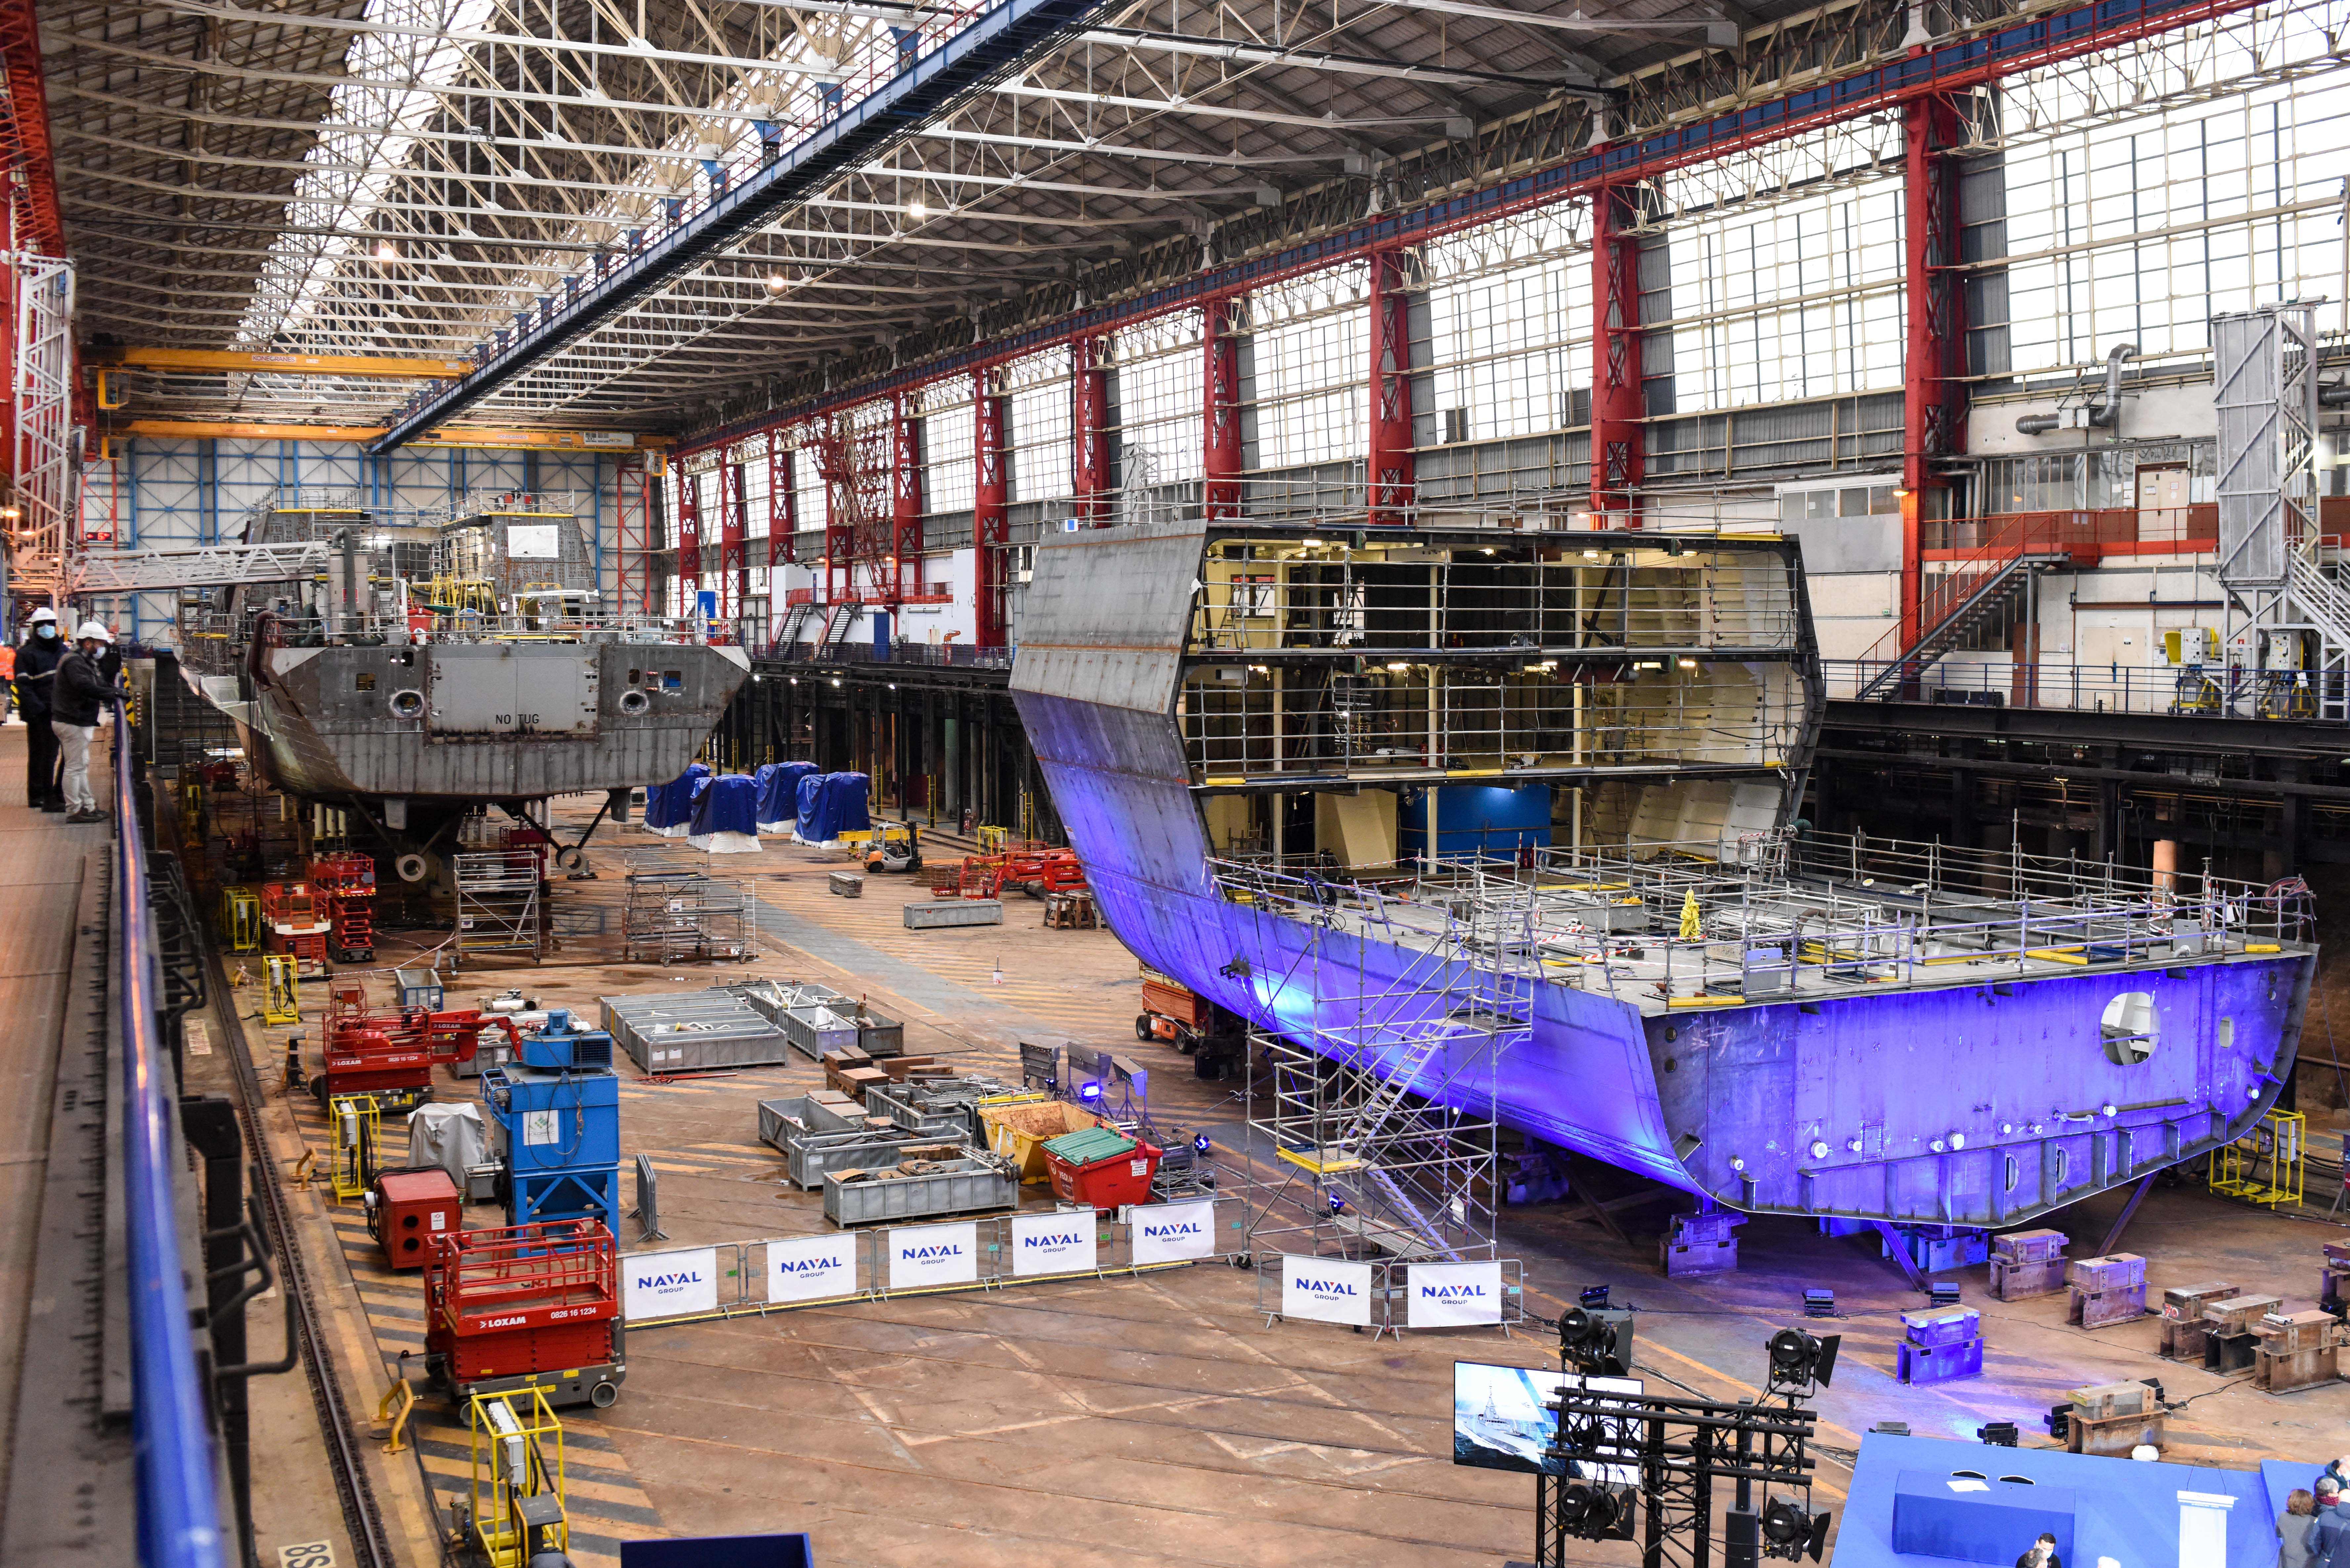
x=988, y=498
x=905, y=497
x=1617, y=403
x=733, y=524
x=1392, y=491
x=839, y=532
x=1933, y=395
x=689, y=533
x=1220, y=422
x=1089, y=430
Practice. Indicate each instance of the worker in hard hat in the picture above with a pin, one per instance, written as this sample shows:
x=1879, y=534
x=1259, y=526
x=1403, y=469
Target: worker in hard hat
x=36, y=681
x=82, y=690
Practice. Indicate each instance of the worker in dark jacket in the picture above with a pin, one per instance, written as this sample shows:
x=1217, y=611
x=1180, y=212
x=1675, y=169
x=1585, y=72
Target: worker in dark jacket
x=82, y=687
x=37, y=668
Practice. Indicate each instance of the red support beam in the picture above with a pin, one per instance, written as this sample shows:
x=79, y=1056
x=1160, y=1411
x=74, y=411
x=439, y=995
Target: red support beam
x=25, y=154
x=1089, y=430
x=1220, y=419
x=990, y=498
x=733, y=524
x=1392, y=491
x=1619, y=455
x=839, y=528
x=1933, y=391
x=905, y=499
x=688, y=535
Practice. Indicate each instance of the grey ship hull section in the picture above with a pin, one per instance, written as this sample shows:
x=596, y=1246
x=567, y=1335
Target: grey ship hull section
x=514, y=721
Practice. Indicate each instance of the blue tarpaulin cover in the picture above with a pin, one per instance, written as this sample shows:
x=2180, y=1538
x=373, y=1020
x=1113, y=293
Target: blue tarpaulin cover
x=779, y=793
x=725, y=817
x=669, y=806
x=838, y=807
x=803, y=804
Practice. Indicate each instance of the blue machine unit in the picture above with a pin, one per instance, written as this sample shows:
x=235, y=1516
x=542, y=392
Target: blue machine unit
x=560, y=1046
x=560, y=1128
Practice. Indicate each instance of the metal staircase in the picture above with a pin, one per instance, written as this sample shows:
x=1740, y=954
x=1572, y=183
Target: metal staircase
x=1960, y=604
x=796, y=621
x=839, y=619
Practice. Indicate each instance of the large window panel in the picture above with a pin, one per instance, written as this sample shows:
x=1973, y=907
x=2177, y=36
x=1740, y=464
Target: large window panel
x=1161, y=399
x=1312, y=352
x=2137, y=225
x=1509, y=310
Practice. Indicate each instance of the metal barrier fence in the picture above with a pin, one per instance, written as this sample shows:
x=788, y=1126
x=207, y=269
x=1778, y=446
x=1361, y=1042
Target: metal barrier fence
x=179, y=1500
x=717, y=1280
x=1389, y=1296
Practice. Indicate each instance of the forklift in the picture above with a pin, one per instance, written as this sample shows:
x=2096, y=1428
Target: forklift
x=893, y=846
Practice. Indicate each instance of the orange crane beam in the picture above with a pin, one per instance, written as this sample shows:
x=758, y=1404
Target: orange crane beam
x=476, y=439
x=237, y=360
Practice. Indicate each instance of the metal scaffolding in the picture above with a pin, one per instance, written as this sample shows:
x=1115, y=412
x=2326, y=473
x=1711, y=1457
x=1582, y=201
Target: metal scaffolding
x=499, y=905
x=1370, y=1112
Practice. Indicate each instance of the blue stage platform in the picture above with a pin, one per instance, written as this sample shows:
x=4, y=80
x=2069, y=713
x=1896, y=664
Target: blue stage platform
x=1926, y=1502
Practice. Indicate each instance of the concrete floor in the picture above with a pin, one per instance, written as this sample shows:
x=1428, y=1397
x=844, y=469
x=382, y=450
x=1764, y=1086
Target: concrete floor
x=1159, y=1420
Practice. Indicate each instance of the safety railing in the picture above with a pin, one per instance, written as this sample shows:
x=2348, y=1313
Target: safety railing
x=934, y=655
x=2209, y=691
x=1709, y=923
x=1389, y=1296
x=719, y=1280
x=177, y=1501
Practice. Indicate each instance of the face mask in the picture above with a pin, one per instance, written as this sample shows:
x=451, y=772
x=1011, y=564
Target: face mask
x=47, y=630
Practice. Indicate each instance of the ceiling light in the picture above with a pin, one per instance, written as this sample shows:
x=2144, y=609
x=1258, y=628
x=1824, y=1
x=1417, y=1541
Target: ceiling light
x=917, y=210
x=777, y=282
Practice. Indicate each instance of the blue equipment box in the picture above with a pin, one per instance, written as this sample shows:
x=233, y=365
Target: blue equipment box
x=558, y=1046
x=554, y=1120
x=1941, y=1326
x=1938, y=1362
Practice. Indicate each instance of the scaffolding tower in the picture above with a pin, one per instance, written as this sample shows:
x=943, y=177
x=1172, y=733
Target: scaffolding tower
x=498, y=905
x=670, y=916
x=1371, y=1100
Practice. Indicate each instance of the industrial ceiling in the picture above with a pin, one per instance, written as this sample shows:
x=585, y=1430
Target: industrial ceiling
x=405, y=178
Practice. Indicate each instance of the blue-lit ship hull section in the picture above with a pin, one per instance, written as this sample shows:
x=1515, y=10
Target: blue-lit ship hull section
x=1953, y=1090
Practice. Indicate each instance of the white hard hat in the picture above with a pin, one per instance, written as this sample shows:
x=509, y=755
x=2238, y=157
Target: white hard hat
x=91, y=629
x=44, y=613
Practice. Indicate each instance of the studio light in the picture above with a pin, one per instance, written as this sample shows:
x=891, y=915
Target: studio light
x=1590, y=1512
x=1596, y=1343
x=1799, y=1361
x=1793, y=1532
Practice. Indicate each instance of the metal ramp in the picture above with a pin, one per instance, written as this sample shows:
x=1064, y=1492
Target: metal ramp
x=838, y=621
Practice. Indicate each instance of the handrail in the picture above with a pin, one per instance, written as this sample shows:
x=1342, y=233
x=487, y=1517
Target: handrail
x=178, y=1515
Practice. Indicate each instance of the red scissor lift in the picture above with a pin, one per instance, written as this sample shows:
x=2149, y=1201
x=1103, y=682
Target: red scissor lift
x=348, y=883
x=389, y=1056
x=526, y=1306
x=292, y=923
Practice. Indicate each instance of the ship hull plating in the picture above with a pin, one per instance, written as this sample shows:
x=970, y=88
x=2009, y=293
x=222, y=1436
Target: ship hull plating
x=472, y=722
x=1963, y=1095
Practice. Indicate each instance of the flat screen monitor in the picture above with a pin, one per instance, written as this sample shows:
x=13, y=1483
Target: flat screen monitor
x=1502, y=1420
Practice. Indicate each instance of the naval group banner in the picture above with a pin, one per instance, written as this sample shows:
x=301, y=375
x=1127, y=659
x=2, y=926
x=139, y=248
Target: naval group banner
x=934, y=1255
x=1325, y=1290
x=1173, y=1232
x=1053, y=1243
x=1453, y=1295
x=669, y=1284
x=812, y=1269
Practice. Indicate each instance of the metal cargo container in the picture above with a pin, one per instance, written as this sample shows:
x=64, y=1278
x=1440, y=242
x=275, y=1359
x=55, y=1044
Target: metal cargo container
x=976, y=1181
x=931, y=915
x=798, y=1116
x=693, y=1031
